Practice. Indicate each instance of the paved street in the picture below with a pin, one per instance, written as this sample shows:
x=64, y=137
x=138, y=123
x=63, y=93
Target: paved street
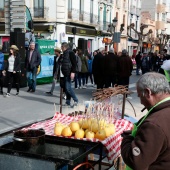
x=30, y=107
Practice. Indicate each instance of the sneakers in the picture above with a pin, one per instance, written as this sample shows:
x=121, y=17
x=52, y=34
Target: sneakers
x=28, y=90
x=75, y=104
x=80, y=87
x=84, y=87
x=64, y=96
x=17, y=94
x=7, y=95
x=77, y=88
x=48, y=92
x=65, y=104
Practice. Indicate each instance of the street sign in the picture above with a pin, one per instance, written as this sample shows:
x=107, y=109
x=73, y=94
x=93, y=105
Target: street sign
x=116, y=37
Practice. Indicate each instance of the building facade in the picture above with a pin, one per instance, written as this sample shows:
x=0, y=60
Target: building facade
x=134, y=16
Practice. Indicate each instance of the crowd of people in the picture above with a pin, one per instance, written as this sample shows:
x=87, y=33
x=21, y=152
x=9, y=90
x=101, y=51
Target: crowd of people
x=150, y=61
x=103, y=68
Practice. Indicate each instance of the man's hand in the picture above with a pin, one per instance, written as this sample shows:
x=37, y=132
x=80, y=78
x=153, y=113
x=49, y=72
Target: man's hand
x=14, y=72
x=72, y=76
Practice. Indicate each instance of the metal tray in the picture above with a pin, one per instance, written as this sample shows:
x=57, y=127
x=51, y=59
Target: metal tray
x=57, y=149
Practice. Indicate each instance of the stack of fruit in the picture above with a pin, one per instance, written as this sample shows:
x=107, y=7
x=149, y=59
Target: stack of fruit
x=89, y=128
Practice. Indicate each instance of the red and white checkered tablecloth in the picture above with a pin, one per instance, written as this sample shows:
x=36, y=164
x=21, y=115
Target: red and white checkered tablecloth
x=112, y=143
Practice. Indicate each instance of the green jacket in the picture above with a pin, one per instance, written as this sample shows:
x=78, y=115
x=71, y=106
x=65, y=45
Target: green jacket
x=84, y=66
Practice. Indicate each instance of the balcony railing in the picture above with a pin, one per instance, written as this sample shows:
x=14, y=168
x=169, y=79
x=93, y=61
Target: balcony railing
x=77, y=15
x=39, y=12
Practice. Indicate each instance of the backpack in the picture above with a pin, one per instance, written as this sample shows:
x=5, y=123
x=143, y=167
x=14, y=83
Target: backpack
x=144, y=62
x=79, y=64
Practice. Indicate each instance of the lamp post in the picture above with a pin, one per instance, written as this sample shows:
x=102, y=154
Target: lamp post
x=112, y=29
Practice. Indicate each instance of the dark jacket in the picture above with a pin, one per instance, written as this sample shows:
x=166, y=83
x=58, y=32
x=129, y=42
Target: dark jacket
x=153, y=141
x=84, y=66
x=138, y=59
x=55, y=65
x=98, y=65
x=17, y=64
x=110, y=64
x=125, y=66
x=68, y=62
x=35, y=60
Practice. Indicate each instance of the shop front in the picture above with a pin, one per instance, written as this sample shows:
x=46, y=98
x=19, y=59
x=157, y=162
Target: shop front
x=81, y=38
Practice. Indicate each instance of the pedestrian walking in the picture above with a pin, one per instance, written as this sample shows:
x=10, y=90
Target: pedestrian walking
x=145, y=63
x=138, y=62
x=13, y=70
x=125, y=67
x=56, y=69
x=146, y=147
x=68, y=68
x=98, y=68
x=1, y=70
x=84, y=70
x=160, y=61
x=89, y=73
x=110, y=67
x=32, y=62
x=78, y=68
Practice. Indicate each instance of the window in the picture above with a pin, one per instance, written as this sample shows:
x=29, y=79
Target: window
x=157, y=16
x=117, y=15
x=69, y=5
x=81, y=5
x=91, y=11
x=38, y=8
x=2, y=4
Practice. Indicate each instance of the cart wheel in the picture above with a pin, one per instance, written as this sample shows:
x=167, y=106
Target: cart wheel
x=82, y=164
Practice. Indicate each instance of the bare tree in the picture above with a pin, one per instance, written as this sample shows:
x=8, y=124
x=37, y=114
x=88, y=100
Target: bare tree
x=141, y=34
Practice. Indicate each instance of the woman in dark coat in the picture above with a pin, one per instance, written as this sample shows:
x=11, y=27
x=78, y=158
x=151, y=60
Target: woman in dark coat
x=110, y=68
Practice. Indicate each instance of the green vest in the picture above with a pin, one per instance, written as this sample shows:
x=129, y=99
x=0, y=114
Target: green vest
x=167, y=74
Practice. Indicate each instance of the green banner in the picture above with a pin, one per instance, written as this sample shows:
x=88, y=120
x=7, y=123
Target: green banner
x=46, y=46
x=28, y=17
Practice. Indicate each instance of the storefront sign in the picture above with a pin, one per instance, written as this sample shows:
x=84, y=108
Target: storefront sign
x=46, y=68
x=81, y=31
x=46, y=46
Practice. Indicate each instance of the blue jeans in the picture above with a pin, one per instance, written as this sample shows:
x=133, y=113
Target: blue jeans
x=69, y=91
x=137, y=69
x=31, y=78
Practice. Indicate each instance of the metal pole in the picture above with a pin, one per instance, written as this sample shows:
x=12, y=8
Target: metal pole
x=61, y=99
x=123, y=105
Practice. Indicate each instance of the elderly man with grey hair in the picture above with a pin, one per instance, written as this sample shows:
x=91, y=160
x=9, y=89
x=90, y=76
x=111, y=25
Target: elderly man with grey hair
x=147, y=147
x=32, y=62
x=98, y=68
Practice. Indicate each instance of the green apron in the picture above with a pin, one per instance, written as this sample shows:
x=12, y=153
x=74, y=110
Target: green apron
x=135, y=128
x=167, y=74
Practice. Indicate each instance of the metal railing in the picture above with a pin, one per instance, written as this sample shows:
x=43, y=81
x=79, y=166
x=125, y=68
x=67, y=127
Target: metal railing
x=82, y=16
x=39, y=12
